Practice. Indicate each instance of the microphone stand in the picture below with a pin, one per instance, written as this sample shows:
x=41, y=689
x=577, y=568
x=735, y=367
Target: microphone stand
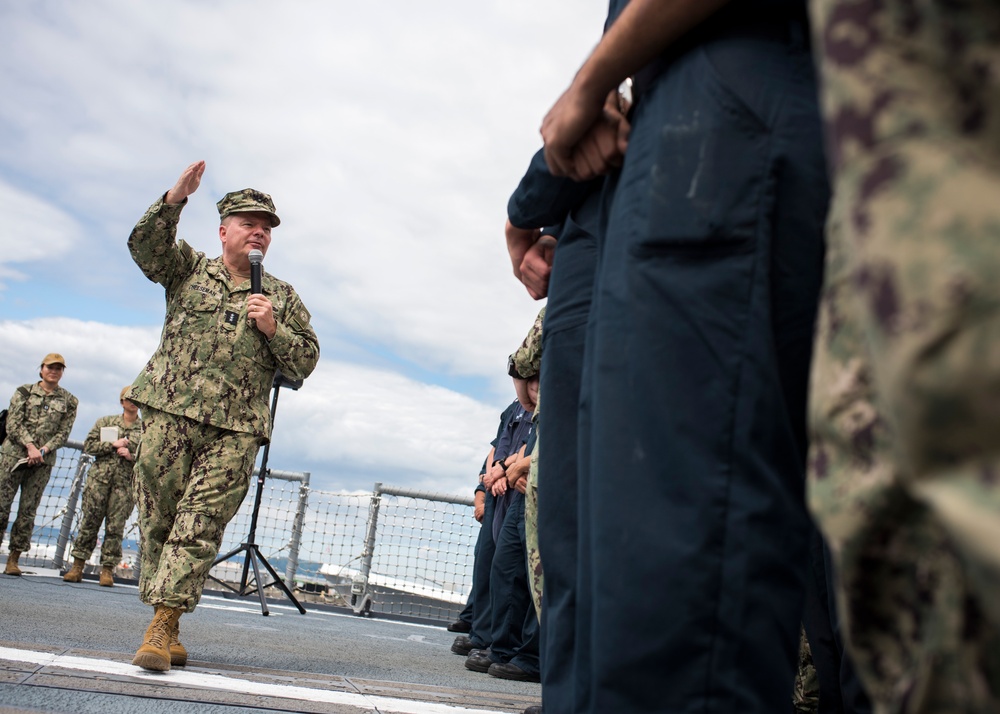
x=252, y=550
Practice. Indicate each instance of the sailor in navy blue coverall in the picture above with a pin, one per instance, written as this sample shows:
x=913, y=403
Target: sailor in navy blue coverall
x=482, y=616
x=539, y=201
x=693, y=531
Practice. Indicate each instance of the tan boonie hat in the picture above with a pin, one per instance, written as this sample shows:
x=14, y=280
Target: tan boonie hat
x=245, y=201
x=53, y=358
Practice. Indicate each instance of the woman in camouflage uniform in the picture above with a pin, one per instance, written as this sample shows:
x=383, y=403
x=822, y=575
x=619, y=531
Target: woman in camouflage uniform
x=108, y=496
x=38, y=423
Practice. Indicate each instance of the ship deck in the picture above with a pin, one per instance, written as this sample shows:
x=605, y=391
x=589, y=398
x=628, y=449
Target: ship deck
x=68, y=648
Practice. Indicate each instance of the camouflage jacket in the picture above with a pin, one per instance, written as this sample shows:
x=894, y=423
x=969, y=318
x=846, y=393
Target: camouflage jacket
x=39, y=418
x=212, y=365
x=107, y=462
x=527, y=360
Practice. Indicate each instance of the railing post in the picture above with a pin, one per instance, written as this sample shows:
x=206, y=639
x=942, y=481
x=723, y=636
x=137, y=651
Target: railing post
x=361, y=600
x=295, y=541
x=67, y=524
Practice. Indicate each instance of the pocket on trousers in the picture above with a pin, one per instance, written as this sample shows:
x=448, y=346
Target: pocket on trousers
x=710, y=161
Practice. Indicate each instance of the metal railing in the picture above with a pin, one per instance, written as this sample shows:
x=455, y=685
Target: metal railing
x=390, y=551
x=394, y=587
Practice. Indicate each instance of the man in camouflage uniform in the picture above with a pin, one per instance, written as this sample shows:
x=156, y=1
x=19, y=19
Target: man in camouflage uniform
x=524, y=364
x=39, y=420
x=108, y=495
x=203, y=395
x=906, y=381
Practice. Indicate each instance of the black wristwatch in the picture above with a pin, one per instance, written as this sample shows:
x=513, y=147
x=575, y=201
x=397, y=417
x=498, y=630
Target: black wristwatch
x=512, y=368
x=502, y=464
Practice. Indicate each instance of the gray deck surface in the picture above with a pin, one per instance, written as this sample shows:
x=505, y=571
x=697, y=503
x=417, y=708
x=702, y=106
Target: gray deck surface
x=68, y=648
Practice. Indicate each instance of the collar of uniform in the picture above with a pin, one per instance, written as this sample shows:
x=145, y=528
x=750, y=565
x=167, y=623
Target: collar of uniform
x=217, y=269
x=39, y=389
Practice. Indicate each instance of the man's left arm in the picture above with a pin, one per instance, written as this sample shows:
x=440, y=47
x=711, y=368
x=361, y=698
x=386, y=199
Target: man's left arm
x=294, y=345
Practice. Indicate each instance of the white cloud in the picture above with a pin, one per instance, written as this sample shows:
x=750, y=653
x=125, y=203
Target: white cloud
x=368, y=421
x=34, y=231
x=348, y=425
x=390, y=134
x=100, y=360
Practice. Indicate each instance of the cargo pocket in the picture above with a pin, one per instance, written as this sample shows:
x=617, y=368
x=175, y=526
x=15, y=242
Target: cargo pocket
x=709, y=166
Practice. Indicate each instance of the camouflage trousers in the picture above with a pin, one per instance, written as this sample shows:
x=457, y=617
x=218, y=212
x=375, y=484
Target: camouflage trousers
x=190, y=480
x=108, y=497
x=535, y=578
x=805, y=695
x=905, y=460
x=31, y=481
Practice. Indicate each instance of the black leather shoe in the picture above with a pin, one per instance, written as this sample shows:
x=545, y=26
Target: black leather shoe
x=511, y=671
x=459, y=626
x=533, y=709
x=462, y=646
x=479, y=661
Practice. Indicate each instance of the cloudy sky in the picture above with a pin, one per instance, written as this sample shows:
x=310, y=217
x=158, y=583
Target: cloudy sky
x=390, y=134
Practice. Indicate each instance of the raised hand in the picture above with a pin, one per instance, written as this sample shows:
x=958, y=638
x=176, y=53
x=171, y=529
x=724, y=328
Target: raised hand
x=188, y=183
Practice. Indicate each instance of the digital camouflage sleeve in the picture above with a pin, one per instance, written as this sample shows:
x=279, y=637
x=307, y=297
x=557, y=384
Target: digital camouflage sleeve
x=527, y=360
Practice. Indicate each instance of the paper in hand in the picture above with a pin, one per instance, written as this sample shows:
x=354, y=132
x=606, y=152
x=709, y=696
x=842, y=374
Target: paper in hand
x=109, y=433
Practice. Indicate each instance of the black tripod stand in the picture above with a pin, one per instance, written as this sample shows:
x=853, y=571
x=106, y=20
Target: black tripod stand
x=253, y=554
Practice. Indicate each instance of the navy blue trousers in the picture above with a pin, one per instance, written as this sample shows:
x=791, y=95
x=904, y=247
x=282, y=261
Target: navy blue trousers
x=570, y=288
x=515, y=625
x=694, y=533
x=482, y=616
x=466, y=614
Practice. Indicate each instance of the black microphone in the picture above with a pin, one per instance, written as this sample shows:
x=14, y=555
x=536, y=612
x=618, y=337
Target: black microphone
x=256, y=270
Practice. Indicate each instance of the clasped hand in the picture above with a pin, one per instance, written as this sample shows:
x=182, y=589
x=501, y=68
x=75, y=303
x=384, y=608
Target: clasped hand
x=584, y=139
x=34, y=455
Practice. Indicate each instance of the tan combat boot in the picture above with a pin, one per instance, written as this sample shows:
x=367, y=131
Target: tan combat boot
x=154, y=653
x=178, y=655
x=75, y=573
x=12, y=568
x=107, y=576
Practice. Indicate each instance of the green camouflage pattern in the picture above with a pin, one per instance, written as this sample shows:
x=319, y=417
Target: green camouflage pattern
x=527, y=359
x=536, y=578
x=805, y=695
x=108, y=494
x=32, y=482
x=212, y=365
x=190, y=480
x=39, y=418
x=906, y=378
x=247, y=199
x=45, y=420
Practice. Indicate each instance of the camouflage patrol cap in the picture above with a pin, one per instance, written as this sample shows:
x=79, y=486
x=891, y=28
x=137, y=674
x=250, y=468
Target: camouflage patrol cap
x=246, y=201
x=53, y=358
